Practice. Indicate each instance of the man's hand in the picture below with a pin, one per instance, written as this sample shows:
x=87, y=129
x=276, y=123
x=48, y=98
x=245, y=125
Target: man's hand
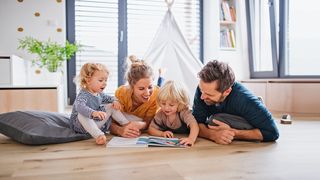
x=218, y=134
x=220, y=125
x=222, y=136
x=223, y=133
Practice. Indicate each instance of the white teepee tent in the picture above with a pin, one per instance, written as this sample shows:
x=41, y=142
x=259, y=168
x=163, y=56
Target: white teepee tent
x=170, y=50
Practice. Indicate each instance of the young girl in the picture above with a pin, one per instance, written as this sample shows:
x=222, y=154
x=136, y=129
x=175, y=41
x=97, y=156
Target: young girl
x=92, y=108
x=174, y=115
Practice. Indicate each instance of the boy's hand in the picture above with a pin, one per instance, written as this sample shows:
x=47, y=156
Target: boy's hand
x=99, y=115
x=116, y=105
x=187, y=141
x=167, y=134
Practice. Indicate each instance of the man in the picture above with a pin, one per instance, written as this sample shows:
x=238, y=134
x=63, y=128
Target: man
x=230, y=109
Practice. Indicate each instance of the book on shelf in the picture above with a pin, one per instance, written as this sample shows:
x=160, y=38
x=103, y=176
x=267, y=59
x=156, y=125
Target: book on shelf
x=227, y=12
x=232, y=38
x=227, y=38
x=145, y=141
x=233, y=14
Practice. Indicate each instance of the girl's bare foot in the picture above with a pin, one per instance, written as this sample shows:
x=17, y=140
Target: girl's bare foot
x=162, y=71
x=101, y=140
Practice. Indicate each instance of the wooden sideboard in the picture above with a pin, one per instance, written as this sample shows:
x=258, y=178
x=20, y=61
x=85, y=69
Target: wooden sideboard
x=299, y=96
x=43, y=98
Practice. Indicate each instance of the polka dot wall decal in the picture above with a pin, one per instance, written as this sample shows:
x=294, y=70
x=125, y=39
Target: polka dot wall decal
x=20, y=1
x=37, y=71
x=59, y=30
x=59, y=1
x=37, y=14
x=20, y=29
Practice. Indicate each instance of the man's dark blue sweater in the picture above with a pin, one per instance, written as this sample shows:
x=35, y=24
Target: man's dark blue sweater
x=243, y=103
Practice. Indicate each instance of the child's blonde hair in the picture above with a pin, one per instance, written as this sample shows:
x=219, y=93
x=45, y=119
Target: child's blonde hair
x=174, y=91
x=87, y=71
x=138, y=69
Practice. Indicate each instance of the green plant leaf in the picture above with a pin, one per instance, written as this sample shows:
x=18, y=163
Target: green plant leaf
x=50, y=54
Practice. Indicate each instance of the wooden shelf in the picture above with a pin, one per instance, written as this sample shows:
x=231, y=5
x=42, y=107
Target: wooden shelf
x=227, y=49
x=227, y=22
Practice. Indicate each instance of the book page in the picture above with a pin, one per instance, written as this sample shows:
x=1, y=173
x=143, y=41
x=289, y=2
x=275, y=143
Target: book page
x=144, y=141
x=128, y=142
x=164, y=142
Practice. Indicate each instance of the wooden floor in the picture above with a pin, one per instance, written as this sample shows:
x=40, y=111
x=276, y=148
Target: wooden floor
x=296, y=155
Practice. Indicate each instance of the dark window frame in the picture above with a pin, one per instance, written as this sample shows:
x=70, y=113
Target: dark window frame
x=283, y=55
x=251, y=48
x=71, y=64
x=279, y=64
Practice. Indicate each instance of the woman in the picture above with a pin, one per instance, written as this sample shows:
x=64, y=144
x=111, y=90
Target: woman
x=138, y=98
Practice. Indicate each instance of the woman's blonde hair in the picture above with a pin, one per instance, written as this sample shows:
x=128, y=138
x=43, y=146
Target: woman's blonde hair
x=174, y=91
x=138, y=69
x=87, y=71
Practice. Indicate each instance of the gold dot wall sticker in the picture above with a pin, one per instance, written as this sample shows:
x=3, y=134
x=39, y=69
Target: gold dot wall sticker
x=36, y=14
x=59, y=29
x=20, y=29
x=59, y=1
x=20, y=1
x=37, y=71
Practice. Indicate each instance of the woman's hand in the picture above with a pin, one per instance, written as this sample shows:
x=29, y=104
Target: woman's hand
x=129, y=131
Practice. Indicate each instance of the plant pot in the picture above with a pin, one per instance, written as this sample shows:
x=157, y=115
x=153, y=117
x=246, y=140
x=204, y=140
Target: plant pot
x=52, y=67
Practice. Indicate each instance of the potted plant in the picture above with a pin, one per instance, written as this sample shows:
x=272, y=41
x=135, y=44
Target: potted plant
x=50, y=54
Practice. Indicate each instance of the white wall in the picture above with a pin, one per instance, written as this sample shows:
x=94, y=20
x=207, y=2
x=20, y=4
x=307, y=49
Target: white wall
x=14, y=14
x=237, y=59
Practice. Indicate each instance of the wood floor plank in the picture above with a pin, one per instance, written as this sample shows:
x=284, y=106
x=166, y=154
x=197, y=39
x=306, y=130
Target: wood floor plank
x=293, y=156
x=156, y=172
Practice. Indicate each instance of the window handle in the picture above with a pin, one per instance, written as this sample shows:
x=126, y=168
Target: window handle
x=121, y=36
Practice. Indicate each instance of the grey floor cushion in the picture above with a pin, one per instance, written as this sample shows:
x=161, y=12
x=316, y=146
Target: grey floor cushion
x=233, y=121
x=37, y=127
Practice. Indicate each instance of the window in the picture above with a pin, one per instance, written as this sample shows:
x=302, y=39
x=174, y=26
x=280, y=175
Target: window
x=301, y=38
x=96, y=28
x=296, y=42
x=109, y=30
x=262, y=44
x=146, y=16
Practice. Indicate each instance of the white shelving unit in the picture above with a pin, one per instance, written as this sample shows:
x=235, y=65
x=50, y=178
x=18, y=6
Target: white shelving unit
x=13, y=71
x=228, y=23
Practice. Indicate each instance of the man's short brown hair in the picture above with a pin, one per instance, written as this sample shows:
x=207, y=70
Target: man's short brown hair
x=217, y=71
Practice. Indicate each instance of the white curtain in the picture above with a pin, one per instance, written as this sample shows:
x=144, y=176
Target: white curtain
x=170, y=50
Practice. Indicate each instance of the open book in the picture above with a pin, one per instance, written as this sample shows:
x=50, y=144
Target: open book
x=144, y=141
